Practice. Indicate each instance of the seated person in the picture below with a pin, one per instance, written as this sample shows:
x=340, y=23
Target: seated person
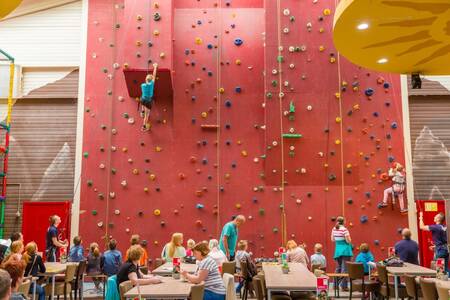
x=34, y=266
x=190, y=244
x=241, y=253
x=366, y=258
x=208, y=272
x=174, y=248
x=136, y=240
x=16, y=269
x=76, y=252
x=5, y=285
x=215, y=253
x=130, y=269
x=318, y=258
x=111, y=259
x=296, y=253
x=407, y=249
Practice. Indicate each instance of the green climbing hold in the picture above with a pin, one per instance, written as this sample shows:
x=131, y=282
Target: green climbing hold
x=262, y=212
x=280, y=58
x=90, y=182
x=274, y=83
x=86, y=154
x=291, y=153
x=94, y=212
x=292, y=135
x=269, y=95
x=275, y=230
x=291, y=107
x=125, y=115
x=113, y=171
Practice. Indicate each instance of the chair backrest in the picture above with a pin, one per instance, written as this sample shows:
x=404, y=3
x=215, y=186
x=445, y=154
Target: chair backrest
x=228, y=280
x=144, y=270
x=315, y=267
x=71, y=271
x=229, y=267
x=24, y=287
x=244, y=270
x=197, y=291
x=124, y=287
x=355, y=270
x=411, y=286
x=428, y=289
x=258, y=287
x=443, y=292
x=382, y=274
x=158, y=262
x=81, y=269
x=263, y=283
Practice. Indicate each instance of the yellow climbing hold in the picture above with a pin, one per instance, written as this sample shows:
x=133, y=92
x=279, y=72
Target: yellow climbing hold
x=138, y=43
x=337, y=142
x=238, y=205
x=162, y=55
x=139, y=17
x=221, y=90
x=146, y=189
x=244, y=153
x=238, y=62
x=156, y=212
x=135, y=171
x=152, y=177
x=338, y=119
x=227, y=175
x=326, y=12
x=332, y=60
x=158, y=149
x=321, y=48
x=198, y=41
x=156, y=32
x=337, y=95
x=204, y=114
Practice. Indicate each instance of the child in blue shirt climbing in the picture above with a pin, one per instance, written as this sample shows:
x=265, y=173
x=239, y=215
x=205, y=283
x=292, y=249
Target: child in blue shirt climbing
x=366, y=258
x=76, y=252
x=147, y=89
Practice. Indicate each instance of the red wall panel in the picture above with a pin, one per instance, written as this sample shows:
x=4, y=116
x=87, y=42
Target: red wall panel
x=237, y=168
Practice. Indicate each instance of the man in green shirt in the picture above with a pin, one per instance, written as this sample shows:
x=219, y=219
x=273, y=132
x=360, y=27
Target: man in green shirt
x=229, y=237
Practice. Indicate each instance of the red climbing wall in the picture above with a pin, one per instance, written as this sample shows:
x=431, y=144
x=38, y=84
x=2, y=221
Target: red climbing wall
x=197, y=178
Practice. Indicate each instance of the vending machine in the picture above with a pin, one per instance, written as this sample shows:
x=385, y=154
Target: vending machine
x=430, y=208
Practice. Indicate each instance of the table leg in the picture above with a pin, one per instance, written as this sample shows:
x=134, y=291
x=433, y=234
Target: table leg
x=82, y=287
x=53, y=286
x=34, y=290
x=269, y=294
x=396, y=286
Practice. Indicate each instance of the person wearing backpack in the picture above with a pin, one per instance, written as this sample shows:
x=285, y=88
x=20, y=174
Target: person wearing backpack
x=111, y=259
x=147, y=89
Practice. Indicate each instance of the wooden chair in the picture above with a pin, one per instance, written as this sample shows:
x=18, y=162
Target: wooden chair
x=443, y=292
x=123, y=288
x=315, y=267
x=24, y=287
x=197, y=291
x=428, y=289
x=228, y=281
x=357, y=280
x=77, y=283
x=229, y=267
x=387, y=289
x=412, y=289
x=144, y=270
x=64, y=288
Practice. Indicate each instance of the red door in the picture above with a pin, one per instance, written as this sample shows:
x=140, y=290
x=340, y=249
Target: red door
x=429, y=208
x=35, y=221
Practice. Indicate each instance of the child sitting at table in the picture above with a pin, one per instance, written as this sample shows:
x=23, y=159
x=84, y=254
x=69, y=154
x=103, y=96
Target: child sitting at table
x=16, y=251
x=76, y=253
x=93, y=266
x=296, y=254
x=190, y=244
x=318, y=258
x=136, y=240
x=111, y=259
x=366, y=258
x=241, y=253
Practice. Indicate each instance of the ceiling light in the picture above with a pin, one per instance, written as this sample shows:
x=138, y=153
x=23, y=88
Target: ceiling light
x=382, y=60
x=363, y=26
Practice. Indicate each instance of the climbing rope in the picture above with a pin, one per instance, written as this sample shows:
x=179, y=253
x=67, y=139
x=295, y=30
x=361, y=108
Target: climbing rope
x=280, y=98
x=341, y=133
x=219, y=101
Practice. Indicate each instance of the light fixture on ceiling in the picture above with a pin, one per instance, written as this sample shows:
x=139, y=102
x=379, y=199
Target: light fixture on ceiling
x=382, y=60
x=362, y=26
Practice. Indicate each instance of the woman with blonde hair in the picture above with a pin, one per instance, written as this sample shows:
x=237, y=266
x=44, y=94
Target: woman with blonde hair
x=16, y=251
x=34, y=266
x=296, y=253
x=174, y=248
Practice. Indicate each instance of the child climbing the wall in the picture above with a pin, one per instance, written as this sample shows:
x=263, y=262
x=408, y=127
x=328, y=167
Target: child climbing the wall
x=398, y=187
x=147, y=89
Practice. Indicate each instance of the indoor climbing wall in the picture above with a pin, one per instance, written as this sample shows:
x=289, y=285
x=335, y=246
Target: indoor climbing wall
x=255, y=113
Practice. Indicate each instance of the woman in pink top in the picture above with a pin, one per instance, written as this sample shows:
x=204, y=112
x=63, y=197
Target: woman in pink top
x=296, y=254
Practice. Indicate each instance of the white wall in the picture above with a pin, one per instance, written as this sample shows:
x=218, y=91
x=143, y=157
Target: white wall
x=46, y=38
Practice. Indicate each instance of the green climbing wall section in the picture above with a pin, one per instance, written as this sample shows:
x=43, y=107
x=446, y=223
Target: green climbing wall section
x=261, y=117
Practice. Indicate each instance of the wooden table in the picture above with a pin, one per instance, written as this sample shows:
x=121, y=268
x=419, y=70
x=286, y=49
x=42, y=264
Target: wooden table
x=299, y=278
x=51, y=270
x=169, y=289
x=167, y=268
x=408, y=269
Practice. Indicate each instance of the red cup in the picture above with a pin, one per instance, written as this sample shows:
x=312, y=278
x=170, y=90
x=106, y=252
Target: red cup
x=176, y=261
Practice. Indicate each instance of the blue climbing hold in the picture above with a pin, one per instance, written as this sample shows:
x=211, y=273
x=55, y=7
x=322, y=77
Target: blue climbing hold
x=367, y=194
x=233, y=165
x=386, y=85
x=399, y=230
x=394, y=125
x=238, y=42
x=199, y=206
x=193, y=98
x=228, y=103
x=369, y=92
x=186, y=51
x=363, y=219
x=199, y=22
x=210, y=46
x=233, y=25
x=228, y=142
x=210, y=73
x=204, y=161
x=376, y=114
x=193, y=63
x=376, y=242
x=204, y=142
x=391, y=159
x=255, y=200
x=238, y=89
x=193, y=120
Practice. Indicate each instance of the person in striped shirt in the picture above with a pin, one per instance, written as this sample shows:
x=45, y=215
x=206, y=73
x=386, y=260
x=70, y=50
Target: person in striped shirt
x=208, y=271
x=343, y=251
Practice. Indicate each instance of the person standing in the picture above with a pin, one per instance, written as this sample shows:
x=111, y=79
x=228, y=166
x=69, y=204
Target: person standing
x=439, y=236
x=229, y=237
x=407, y=250
x=343, y=251
x=52, y=241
